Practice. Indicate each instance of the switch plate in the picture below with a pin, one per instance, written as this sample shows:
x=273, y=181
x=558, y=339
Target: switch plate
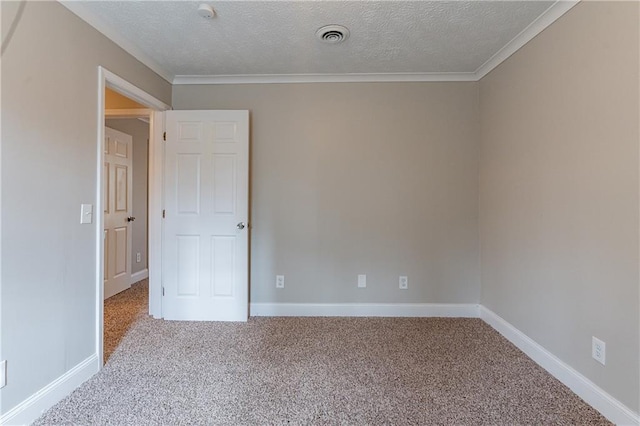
x=598, y=350
x=138, y=257
x=3, y=373
x=86, y=213
x=403, y=282
x=279, y=281
x=362, y=281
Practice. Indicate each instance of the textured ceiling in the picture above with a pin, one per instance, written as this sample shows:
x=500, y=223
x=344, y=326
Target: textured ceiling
x=278, y=37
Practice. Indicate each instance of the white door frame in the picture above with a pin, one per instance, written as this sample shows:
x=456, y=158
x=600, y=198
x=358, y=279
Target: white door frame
x=108, y=79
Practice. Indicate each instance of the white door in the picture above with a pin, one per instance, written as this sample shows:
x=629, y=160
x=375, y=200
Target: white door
x=117, y=211
x=205, y=246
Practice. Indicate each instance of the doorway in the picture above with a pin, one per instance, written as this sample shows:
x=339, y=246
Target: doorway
x=125, y=195
x=123, y=104
x=125, y=210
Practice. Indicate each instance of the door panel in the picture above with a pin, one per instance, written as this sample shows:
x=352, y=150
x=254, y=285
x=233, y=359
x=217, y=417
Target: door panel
x=122, y=191
x=188, y=183
x=118, y=207
x=188, y=264
x=223, y=250
x=105, y=192
x=106, y=255
x=224, y=184
x=121, y=253
x=205, y=253
x=121, y=148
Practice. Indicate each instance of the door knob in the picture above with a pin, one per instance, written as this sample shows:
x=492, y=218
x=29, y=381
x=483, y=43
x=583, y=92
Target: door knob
x=240, y=225
x=131, y=218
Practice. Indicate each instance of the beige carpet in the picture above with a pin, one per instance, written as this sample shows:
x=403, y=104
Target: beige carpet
x=120, y=312
x=313, y=371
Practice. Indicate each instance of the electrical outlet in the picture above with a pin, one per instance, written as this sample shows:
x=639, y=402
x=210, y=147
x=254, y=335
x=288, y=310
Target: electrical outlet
x=3, y=373
x=598, y=350
x=403, y=282
x=138, y=257
x=279, y=281
x=362, y=281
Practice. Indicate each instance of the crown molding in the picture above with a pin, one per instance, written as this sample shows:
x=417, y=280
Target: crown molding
x=322, y=78
x=547, y=18
x=96, y=22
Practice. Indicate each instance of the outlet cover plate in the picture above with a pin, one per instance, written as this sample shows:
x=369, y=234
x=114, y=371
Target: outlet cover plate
x=598, y=350
x=403, y=282
x=362, y=281
x=279, y=281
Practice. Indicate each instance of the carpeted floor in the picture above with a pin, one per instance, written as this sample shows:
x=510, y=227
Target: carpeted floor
x=318, y=371
x=120, y=312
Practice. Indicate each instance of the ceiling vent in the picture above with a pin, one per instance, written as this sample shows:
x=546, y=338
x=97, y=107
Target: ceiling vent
x=332, y=34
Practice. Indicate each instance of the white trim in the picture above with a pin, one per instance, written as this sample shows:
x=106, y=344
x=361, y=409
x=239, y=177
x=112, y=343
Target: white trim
x=80, y=10
x=459, y=310
x=548, y=17
x=154, y=209
x=122, y=86
x=128, y=113
x=1, y=351
x=139, y=276
x=33, y=407
x=99, y=216
x=322, y=78
x=610, y=407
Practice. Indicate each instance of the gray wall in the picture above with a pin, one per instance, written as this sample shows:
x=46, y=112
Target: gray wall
x=559, y=191
x=140, y=133
x=356, y=178
x=49, y=129
x=347, y=179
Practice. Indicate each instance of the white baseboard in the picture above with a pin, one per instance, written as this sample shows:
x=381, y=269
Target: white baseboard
x=33, y=407
x=610, y=407
x=461, y=310
x=139, y=276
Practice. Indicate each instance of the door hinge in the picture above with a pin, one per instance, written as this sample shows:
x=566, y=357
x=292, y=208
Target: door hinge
x=163, y=291
x=164, y=136
x=163, y=213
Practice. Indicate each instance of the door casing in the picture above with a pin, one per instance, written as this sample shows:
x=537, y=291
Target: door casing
x=108, y=79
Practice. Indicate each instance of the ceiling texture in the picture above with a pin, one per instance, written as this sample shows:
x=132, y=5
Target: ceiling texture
x=272, y=41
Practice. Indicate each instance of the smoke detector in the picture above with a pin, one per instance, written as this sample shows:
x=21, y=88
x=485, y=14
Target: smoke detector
x=206, y=11
x=332, y=34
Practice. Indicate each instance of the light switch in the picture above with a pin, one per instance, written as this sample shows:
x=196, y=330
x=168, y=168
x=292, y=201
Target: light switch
x=86, y=213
